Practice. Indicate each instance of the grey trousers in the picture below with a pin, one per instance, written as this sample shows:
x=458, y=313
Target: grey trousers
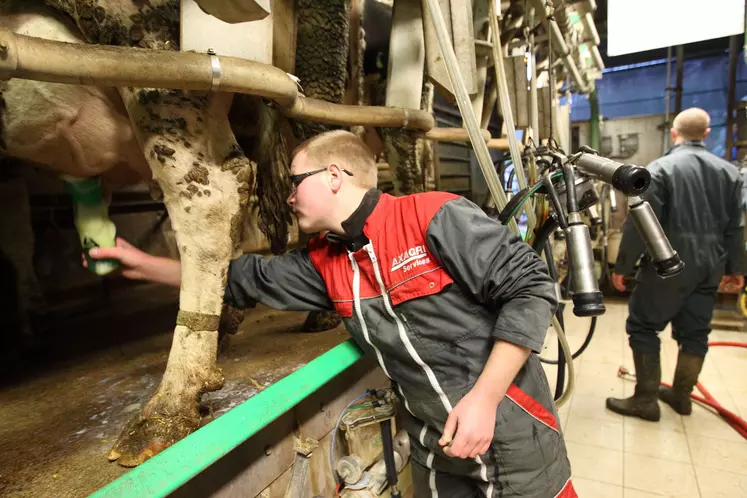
x=687, y=300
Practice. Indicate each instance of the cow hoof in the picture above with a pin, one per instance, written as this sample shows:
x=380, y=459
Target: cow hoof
x=318, y=321
x=147, y=435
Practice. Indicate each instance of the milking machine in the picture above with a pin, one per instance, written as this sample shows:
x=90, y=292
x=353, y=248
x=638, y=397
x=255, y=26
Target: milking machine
x=566, y=214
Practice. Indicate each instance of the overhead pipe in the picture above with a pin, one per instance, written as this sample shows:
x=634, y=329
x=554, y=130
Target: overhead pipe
x=453, y=135
x=33, y=58
x=560, y=47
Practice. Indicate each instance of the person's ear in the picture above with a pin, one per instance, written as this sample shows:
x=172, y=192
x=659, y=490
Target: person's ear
x=335, y=178
x=707, y=132
x=673, y=133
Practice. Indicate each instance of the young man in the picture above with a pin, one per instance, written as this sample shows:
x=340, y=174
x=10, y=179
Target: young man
x=697, y=196
x=449, y=302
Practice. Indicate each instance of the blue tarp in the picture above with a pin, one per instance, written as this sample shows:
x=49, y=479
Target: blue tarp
x=639, y=90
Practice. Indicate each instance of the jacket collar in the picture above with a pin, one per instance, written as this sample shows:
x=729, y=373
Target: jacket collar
x=689, y=143
x=355, y=238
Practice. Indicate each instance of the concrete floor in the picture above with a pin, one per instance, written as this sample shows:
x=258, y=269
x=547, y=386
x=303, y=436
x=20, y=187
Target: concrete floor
x=618, y=457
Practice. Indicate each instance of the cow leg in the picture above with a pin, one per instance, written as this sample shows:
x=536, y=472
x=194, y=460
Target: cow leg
x=205, y=180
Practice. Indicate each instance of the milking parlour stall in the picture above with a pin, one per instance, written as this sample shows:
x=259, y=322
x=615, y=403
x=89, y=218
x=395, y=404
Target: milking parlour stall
x=169, y=125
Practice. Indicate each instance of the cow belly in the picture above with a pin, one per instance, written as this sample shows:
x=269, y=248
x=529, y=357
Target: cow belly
x=75, y=130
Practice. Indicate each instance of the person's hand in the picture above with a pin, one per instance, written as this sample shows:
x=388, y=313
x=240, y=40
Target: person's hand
x=473, y=421
x=135, y=263
x=618, y=282
x=732, y=283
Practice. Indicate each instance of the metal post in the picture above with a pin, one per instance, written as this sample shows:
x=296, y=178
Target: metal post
x=678, y=87
x=465, y=107
x=666, y=100
x=533, y=105
x=594, y=131
x=733, y=53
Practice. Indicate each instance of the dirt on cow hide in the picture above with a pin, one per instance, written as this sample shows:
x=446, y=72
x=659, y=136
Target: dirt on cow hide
x=144, y=24
x=63, y=410
x=198, y=174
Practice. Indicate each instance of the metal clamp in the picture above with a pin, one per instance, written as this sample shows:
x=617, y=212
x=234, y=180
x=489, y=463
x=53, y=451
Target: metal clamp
x=215, y=71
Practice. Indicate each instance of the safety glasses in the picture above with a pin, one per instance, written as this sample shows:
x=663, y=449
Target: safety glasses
x=297, y=179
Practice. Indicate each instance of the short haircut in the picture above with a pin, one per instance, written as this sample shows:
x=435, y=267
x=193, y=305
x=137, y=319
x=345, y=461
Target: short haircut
x=344, y=149
x=692, y=123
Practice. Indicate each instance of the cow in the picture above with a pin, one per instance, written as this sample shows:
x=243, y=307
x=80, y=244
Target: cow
x=184, y=141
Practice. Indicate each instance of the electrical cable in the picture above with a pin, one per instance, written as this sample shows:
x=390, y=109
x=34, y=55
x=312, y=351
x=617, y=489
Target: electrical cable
x=334, y=434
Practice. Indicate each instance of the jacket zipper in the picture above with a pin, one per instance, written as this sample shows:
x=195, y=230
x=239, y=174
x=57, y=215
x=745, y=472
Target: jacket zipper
x=359, y=311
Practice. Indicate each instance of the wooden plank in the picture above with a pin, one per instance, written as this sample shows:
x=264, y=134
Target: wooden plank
x=435, y=65
x=451, y=168
x=460, y=184
x=406, y=56
x=516, y=77
x=284, y=31
x=463, y=38
x=481, y=32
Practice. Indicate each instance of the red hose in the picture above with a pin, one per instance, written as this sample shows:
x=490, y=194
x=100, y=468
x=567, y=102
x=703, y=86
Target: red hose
x=734, y=344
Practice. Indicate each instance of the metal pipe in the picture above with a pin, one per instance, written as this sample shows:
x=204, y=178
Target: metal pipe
x=321, y=111
x=32, y=58
x=678, y=83
x=594, y=131
x=588, y=21
x=628, y=179
x=508, y=119
x=533, y=104
x=453, y=135
x=596, y=57
x=665, y=259
x=465, y=105
x=666, y=99
x=501, y=144
x=560, y=47
x=733, y=53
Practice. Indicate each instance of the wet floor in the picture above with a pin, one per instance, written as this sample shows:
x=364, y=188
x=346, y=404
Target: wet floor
x=61, y=411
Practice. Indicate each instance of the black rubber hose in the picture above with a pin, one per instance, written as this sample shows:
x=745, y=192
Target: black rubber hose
x=570, y=188
x=510, y=181
x=389, y=463
x=561, y=219
x=560, y=381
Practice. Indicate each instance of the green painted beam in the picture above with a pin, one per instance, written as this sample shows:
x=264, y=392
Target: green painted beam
x=176, y=465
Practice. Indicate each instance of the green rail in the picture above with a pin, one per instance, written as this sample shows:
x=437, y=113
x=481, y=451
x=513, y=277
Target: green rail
x=176, y=465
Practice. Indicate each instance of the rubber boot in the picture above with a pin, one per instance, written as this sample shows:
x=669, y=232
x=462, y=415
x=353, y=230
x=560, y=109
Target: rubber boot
x=685, y=377
x=644, y=403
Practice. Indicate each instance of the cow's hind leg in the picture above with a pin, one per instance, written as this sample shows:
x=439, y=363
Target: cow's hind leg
x=205, y=180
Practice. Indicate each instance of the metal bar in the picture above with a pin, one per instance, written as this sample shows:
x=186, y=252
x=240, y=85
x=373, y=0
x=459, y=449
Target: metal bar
x=167, y=471
x=560, y=47
x=508, y=119
x=533, y=105
x=730, y=103
x=594, y=131
x=678, y=82
x=465, y=107
x=666, y=99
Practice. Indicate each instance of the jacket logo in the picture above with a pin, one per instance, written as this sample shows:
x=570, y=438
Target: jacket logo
x=414, y=256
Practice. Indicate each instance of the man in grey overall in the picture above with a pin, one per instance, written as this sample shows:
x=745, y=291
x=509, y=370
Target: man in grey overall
x=697, y=197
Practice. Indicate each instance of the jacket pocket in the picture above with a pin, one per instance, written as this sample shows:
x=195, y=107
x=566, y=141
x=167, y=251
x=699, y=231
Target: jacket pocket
x=529, y=447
